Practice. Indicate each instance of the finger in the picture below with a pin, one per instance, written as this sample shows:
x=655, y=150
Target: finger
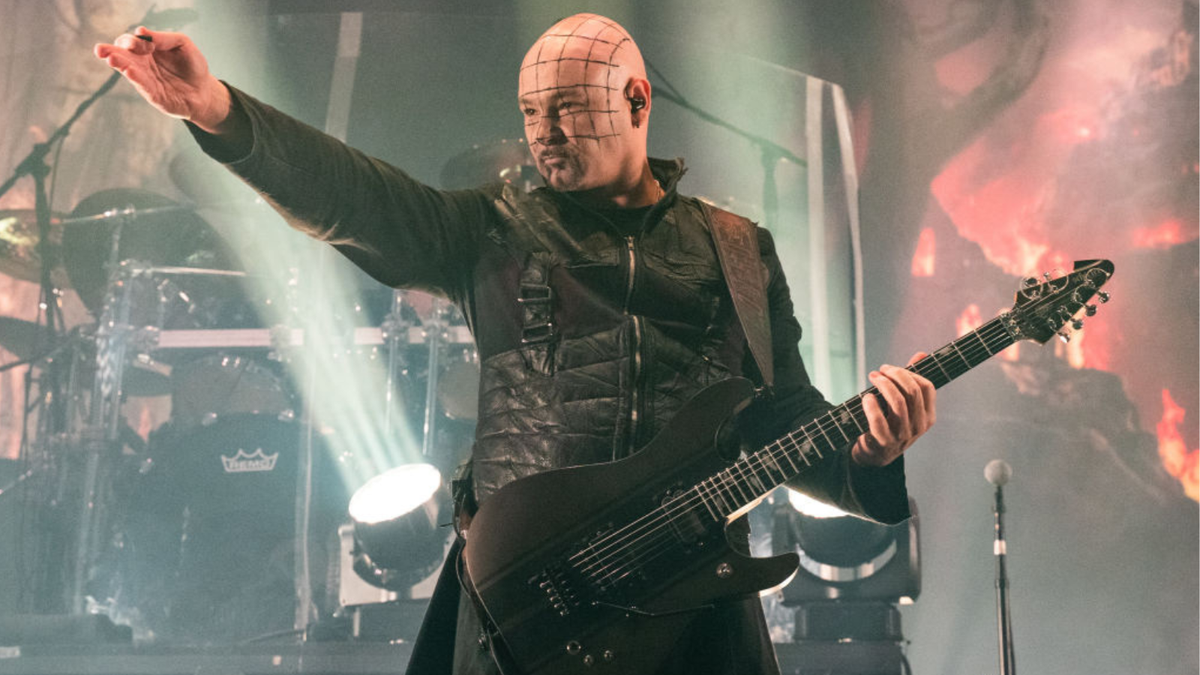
x=867, y=450
x=877, y=423
x=133, y=45
x=909, y=386
x=118, y=59
x=163, y=39
x=898, y=413
x=917, y=357
x=928, y=400
x=917, y=391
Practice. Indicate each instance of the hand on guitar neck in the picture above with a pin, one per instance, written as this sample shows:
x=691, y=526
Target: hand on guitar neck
x=909, y=410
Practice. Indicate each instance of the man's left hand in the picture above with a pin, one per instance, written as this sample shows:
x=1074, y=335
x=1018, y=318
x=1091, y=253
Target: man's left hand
x=912, y=407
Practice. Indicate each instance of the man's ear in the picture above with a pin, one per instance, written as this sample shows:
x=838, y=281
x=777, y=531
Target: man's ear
x=637, y=96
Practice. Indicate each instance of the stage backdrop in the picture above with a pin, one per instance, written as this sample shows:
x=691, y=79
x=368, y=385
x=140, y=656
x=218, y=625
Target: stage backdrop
x=993, y=140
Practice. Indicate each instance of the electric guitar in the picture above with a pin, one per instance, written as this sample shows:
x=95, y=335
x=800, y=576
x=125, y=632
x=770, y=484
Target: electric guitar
x=599, y=568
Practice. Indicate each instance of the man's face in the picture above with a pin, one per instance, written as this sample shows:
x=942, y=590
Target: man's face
x=571, y=96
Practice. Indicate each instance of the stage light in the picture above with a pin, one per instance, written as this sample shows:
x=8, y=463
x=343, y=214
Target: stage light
x=846, y=558
x=853, y=575
x=813, y=508
x=395, y=514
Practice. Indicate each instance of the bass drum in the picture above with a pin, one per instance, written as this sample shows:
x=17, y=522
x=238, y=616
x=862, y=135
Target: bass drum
x=209, y=536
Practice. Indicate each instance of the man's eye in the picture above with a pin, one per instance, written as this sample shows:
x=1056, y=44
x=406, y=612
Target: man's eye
x=529, y=112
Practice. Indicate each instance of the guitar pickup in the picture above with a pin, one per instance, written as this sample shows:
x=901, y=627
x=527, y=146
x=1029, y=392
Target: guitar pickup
x=686, y=525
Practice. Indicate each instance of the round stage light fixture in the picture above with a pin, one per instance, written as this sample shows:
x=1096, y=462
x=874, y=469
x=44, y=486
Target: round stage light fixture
x=397, y=538
x=843, y=557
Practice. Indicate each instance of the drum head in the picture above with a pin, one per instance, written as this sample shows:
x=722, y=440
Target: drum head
x=219, y=386
x=210, y=535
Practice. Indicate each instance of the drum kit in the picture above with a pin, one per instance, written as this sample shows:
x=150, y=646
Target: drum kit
x=176, y=316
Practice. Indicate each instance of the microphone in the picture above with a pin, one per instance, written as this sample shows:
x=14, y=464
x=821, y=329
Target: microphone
x=998, y=472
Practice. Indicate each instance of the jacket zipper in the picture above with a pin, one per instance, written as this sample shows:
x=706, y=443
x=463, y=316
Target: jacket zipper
x=635, y=398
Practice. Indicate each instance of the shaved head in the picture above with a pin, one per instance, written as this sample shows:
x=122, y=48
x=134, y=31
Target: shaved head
x=585, y=98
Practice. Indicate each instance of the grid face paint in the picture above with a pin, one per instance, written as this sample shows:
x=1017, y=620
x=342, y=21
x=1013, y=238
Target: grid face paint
x=601, y=53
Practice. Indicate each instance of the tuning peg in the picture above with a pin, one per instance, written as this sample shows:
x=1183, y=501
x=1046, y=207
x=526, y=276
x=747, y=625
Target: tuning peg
x=1030, y=282
x=1064, y=336
x=1104, y=297
x=1089, y=310
x=1077, y=324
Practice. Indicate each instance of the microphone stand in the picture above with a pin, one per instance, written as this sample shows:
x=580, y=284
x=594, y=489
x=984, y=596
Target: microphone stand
x=34, y=165
x=1003, y=612
x=772, y=153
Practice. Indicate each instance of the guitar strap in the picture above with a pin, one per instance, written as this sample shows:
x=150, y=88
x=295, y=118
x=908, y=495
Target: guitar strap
x=741, y=262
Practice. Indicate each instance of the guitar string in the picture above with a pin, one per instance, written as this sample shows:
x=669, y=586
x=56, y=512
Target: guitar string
x=996, y=327
x=659, y=521
x=646, y=546
x=853, y=407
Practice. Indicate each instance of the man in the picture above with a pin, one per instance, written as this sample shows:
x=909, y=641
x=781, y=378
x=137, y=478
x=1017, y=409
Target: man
x=598, y=303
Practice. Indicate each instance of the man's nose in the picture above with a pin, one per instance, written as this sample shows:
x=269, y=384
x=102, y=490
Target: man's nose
x=549, y=131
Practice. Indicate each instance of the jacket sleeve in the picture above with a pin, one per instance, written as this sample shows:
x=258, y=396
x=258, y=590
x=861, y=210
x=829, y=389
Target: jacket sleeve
x=398, y=230
x=879, y=494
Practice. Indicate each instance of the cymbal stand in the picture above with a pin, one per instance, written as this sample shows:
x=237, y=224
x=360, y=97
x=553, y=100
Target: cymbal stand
x=395, y=335
x=435, y=336
x=100, y=436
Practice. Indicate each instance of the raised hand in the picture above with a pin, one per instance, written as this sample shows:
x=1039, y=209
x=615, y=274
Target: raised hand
x=912, y=410
x=170, y=72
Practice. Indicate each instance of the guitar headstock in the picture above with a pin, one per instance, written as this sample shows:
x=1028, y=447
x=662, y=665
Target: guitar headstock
x=1043, y=309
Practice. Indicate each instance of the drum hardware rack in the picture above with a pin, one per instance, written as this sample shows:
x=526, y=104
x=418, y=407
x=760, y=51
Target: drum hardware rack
x=119, y=342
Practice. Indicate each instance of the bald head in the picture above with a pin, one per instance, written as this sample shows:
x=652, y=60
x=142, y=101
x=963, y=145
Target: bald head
x=585, y=98
x=597, y=45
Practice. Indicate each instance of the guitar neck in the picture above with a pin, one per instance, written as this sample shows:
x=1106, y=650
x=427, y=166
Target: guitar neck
x=732, y=490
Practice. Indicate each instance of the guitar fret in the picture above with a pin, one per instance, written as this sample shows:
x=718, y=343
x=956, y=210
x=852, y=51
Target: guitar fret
x=753, y=474
x=854, y=417
x=738, y=498
x=954, y=345
x=771, y=458
x=831, y=445
x=787, y=455
x=740, y=478
x=811, y=444
x=704, y=501
x=716, y=493
x=800, y=449
x=838, y=425
x=936, y=362
x=985, y=346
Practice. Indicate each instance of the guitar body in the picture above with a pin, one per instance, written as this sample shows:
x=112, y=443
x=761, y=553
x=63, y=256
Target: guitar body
x=598, y=568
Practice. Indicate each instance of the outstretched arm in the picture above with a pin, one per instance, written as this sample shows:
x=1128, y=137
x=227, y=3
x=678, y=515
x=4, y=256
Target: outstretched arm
x=400, y=231
x=170, y=72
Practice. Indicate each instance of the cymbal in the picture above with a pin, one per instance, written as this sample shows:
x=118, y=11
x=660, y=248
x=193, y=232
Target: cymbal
x=502, y=161
x=19, y=256
x=154, y=230
x=20, y=337
x=143, y=376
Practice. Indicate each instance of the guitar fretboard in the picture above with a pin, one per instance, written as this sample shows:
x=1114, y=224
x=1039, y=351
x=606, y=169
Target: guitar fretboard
x=758, y=473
